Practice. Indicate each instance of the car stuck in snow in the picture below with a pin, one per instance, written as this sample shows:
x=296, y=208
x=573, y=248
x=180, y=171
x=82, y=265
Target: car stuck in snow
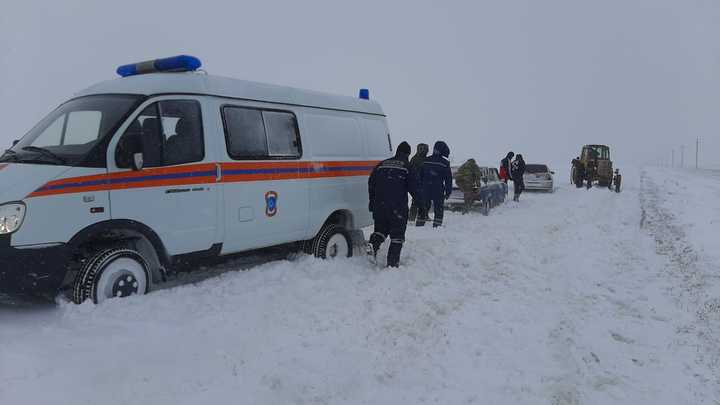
x=491, y=191
x=132, y=177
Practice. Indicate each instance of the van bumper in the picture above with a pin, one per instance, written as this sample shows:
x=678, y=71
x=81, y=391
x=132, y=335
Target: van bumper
x=33, y=271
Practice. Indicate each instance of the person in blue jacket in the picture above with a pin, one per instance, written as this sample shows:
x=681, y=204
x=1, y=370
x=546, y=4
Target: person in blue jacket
x=389, y=184
x=436, y=183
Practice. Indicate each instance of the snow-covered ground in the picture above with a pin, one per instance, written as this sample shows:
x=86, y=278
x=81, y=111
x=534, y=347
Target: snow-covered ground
x=576, y=297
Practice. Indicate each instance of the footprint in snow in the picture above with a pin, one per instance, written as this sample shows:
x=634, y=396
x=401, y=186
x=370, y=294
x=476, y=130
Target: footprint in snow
x=622, y=339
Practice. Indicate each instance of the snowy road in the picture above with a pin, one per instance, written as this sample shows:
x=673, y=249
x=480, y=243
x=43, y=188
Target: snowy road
x=576, y=297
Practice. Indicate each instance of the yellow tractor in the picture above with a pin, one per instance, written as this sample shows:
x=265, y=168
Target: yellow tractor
x=593, y=166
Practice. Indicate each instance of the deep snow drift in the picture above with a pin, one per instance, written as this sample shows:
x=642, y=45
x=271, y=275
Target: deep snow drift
x=576, y=297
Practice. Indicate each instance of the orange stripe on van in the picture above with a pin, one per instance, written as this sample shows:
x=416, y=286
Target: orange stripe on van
x=205, y=173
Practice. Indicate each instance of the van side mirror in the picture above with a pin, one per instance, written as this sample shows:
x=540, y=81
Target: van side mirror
x=137, y=161
x=15, y=142
x=553, y=173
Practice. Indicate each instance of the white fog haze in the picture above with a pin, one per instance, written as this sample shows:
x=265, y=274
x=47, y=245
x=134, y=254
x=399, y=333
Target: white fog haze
x=540, y=78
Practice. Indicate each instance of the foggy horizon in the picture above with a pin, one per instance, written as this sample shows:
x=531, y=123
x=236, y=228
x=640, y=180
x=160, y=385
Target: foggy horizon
x=538, y=79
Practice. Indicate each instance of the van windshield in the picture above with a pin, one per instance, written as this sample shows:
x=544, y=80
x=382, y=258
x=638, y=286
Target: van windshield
x=68, y=134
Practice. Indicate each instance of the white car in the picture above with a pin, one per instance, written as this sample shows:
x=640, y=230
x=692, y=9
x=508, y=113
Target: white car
x=539, y=177
x=133, y=177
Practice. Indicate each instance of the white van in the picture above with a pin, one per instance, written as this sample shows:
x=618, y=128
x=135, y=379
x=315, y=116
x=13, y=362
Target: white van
x=135, y=176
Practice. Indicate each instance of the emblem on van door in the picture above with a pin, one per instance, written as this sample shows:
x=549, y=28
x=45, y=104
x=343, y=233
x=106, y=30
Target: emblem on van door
x=271, y=201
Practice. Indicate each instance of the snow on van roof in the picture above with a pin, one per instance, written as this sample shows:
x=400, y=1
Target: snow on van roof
x=198, y=83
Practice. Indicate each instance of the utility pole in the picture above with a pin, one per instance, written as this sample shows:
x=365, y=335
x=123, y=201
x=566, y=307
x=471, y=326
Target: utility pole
x=682, y=156
x=697, y=152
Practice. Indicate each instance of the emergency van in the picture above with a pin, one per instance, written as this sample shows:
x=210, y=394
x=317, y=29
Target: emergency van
x=123, y=183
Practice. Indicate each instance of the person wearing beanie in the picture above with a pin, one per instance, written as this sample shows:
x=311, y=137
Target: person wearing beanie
x=388, y=186
x=416, y=165
x=435, y=184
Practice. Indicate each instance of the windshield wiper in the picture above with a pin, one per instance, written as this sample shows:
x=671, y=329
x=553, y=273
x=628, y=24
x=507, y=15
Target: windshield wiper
x=9, y=155
x=45, y=152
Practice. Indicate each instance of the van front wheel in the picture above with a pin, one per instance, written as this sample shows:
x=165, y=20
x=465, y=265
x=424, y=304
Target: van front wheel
x=333, y=241
x=111, y=273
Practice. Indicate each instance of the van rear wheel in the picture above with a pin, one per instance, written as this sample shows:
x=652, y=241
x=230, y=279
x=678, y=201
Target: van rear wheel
x=333, y=241
x=111, y=273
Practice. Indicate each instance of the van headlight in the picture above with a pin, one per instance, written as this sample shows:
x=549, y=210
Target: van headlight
x=11, y=217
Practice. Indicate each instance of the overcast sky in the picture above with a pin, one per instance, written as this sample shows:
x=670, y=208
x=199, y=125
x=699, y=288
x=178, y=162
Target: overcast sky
x=538, y=77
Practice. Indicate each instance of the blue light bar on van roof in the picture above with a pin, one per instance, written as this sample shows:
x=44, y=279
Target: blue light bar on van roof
x=180, y=63
x=365, y=94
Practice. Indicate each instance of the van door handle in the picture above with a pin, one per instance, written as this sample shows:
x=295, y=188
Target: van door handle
x=218, y=173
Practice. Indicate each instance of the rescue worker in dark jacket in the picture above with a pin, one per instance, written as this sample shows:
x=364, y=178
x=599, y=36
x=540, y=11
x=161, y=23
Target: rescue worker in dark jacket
x=505, y=168
x=435, y=183
x=415, y=165
x=388, y=186
x=518, y=170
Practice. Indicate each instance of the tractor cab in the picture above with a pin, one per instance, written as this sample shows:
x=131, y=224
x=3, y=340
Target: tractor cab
x=595, y=152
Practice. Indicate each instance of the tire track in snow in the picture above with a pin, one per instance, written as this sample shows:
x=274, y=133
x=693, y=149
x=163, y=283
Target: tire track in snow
x=691, y=291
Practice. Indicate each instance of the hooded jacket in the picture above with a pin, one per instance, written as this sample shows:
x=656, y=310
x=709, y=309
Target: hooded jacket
x=518, y=168
x=419, y=158
x=436, y=176
x=506, y=163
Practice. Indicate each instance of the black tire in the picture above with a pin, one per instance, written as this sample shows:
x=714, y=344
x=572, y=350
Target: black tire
x=307, y=246
x=86, y=284
x=323, y=247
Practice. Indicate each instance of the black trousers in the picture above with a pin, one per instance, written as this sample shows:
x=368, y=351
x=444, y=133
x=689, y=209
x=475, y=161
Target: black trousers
x=390, y=223
x=519, y=187
x=414, y=210
x=438, y=207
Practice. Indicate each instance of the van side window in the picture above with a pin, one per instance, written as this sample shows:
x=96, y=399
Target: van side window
x=182, y=131
x=282, y=134
x=170, y=134
x=260, y=134
x=244, y=133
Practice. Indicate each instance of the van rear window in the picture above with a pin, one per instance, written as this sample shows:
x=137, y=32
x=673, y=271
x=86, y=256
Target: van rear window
x=252, y=133
x=536, y=169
